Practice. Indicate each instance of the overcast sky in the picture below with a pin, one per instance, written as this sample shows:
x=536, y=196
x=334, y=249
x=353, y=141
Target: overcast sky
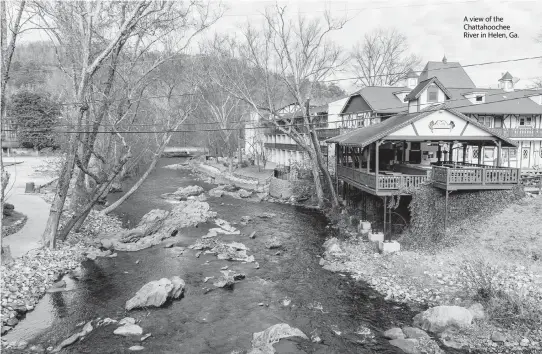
x=433, y=28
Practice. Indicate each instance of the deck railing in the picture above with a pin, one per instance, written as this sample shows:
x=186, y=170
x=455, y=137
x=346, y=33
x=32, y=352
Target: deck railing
x=525, y=132
x=384, y=182
x=475, y=175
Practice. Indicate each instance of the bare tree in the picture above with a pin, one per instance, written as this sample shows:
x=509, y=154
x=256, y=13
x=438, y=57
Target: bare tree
x=91, y=38
x=175, y=101
x=217, y=106
x=281, y=64
x=382, y=58
x=7, y=51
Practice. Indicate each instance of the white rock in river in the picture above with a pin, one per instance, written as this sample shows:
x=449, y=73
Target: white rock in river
x=262, y=341
x=156, y=293
x=129, y=330
x=136, y=348
x=437, y=319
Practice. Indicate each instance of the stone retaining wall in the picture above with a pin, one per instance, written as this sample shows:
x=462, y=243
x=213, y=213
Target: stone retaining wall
x=225, y=178
x=280, y=188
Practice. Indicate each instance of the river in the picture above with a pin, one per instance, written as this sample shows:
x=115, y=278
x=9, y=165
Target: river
x=330, y=305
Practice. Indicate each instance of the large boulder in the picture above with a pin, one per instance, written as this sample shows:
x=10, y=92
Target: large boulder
x=155, y=293
x=183, y=193
x=439, y=318
x=262, y=342
x=409, y=346
x=129, y=329
x=234, y=251
x=157, y=225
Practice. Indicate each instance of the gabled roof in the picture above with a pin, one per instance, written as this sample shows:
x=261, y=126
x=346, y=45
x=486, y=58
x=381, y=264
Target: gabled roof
x=450, y=74
x=497, y=101
x=507, y=76
x=417, y=91
x=362, y=137
x=381, y=99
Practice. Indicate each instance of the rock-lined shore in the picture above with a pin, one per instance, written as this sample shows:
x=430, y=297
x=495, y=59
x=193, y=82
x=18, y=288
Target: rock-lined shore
x=26, y=279
x=427, y=280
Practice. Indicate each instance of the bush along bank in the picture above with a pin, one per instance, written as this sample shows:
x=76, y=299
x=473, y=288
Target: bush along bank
x=26, y=279
x=486, y=299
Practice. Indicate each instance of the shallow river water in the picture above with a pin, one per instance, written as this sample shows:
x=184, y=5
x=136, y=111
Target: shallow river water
x=330, y=305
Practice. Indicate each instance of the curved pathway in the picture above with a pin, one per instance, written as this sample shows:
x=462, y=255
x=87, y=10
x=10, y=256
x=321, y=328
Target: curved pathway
x=32, y=205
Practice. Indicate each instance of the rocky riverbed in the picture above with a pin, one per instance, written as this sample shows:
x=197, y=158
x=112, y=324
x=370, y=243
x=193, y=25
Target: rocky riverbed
x=251, y=277
x=452, y=277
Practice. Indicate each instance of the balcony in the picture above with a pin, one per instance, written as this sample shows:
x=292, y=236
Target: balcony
x=388, y=182
x=453, y=176
x=469, y=176
x=524, y=132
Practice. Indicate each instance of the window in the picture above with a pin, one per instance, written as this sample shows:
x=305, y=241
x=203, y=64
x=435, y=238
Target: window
x=525, y=121
x=513, y=153
x=432, y=94
x=498, y=121
x=485, y=120
x=479, y=98
x=489, y=153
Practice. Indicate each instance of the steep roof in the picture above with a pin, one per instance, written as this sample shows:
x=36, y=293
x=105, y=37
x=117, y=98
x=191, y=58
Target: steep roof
x=362, y=137
x=497, y=101
x=381, y=98
x=417, y=91
x=506, y=76
x=450, y=74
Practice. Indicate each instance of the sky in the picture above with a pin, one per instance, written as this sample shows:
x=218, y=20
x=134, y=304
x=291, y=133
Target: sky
x=434, y=28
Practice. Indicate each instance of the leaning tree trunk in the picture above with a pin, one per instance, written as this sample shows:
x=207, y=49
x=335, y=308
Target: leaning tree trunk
x=324, y=169
x=142, y=179
x=50, y=233
x=97, y=193
x=316, y=176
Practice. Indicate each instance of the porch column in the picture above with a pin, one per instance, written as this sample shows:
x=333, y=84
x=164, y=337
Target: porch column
x=439, y=153
x=405, y=147
x=479, y=154
x=498, y=153
x=369, y=158
x=451, y=152
x=337, y=148
x=377, y=155
x=464, y=153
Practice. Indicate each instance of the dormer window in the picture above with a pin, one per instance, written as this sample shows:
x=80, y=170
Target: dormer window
x=432, y=93
x=480, y=98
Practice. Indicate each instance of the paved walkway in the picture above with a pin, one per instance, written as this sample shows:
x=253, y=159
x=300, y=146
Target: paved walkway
x=32, y=205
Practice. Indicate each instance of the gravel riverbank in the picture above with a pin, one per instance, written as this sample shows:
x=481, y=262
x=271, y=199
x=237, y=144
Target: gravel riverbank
x=26, y=279
x=495, y=263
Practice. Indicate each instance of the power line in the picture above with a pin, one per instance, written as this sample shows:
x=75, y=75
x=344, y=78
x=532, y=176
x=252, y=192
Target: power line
x=298, y=116
x=330, y=80
x=250, y=128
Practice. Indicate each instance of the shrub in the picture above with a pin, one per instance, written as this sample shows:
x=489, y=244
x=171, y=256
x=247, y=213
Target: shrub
x=481, y=281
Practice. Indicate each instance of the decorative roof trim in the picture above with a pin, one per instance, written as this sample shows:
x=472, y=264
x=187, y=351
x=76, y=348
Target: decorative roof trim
x=424, y=113
x=423, y=85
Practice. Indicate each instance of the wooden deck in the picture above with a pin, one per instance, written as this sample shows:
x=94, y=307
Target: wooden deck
x=448, y=177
